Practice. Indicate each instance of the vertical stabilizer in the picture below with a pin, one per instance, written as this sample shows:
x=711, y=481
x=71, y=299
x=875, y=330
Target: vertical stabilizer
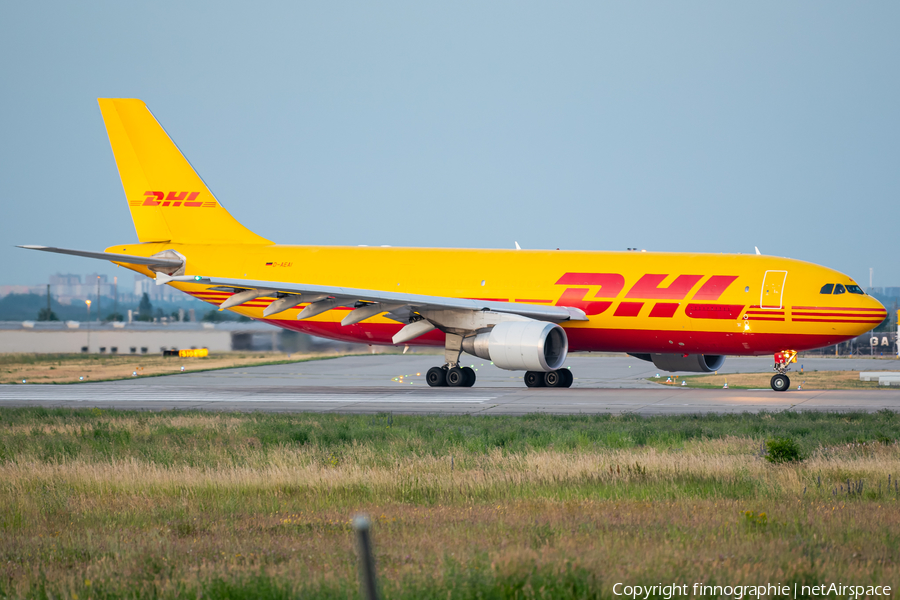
x=167, y=199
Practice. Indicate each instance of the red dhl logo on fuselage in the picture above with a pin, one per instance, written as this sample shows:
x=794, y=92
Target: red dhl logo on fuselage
x=173, y=199
x=648, y=288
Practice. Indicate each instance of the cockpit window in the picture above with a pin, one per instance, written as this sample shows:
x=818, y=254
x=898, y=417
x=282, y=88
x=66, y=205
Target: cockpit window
x=837, y=288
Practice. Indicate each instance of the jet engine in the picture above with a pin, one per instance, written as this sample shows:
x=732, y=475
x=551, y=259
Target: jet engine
x=694, y=363
x=521, y=345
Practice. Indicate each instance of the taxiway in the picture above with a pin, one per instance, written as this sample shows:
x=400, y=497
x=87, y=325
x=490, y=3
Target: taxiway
x=382, y=383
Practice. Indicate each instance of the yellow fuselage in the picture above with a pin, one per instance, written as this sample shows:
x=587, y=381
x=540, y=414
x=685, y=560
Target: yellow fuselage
x=638, y=302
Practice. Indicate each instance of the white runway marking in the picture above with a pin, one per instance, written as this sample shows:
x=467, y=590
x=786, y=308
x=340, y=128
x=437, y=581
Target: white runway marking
x=360, y=399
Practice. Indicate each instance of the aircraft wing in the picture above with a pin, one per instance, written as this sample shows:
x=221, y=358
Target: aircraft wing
x=323, y=298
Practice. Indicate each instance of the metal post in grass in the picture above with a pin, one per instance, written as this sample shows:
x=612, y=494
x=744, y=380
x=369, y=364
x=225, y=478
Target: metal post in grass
x=367, y=584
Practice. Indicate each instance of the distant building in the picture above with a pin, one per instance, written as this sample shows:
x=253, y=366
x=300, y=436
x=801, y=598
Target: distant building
x=157, y=293
x=70, y=288
x=67, y=288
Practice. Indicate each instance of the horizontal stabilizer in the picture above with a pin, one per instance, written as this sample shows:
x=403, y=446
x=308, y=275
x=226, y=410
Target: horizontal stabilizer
x=120, y=258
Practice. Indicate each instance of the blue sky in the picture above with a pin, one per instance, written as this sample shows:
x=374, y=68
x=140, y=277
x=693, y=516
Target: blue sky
x=711, y=127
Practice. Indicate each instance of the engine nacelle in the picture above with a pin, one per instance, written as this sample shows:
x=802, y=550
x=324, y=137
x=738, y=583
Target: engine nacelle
x=521, y=346
x=694, y=363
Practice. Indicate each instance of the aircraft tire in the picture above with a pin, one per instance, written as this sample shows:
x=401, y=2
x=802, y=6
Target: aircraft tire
x=469, y=372
x=436, y=377
x=554, y=378
x=780, y=383
x=534, y=379
x=456, y=377
x=569, y=379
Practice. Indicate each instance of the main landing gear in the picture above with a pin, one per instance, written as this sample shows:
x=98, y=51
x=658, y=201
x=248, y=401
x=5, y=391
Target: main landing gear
x=780, y=382
x=450, y=376
x=561, y=378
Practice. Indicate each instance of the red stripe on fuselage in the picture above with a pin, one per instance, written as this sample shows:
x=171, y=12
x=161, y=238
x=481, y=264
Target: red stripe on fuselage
x=845, y=315
x=834, y=308
x=859, y=320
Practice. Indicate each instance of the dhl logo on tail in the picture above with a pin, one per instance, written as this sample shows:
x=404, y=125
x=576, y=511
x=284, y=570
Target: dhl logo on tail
x=173, y=199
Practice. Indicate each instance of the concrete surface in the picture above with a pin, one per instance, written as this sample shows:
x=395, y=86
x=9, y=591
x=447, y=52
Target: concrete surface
x=373, y=383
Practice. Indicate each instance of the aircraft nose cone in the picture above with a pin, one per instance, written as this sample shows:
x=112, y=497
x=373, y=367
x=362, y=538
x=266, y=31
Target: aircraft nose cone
x=875, y=313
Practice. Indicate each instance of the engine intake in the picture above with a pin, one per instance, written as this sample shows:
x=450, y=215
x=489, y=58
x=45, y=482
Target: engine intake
x=694, y=363
x=521, y=346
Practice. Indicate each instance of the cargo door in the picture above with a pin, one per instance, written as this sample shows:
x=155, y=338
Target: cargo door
x=772, y=295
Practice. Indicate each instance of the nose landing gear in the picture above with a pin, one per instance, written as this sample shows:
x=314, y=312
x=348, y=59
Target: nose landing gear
x=780, y=382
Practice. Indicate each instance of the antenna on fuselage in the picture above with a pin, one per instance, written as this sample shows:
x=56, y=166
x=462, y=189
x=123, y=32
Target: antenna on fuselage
x=757, y=250
x=518, y=247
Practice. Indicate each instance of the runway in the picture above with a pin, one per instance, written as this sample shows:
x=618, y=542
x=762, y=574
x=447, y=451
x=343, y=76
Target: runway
x=391, y=383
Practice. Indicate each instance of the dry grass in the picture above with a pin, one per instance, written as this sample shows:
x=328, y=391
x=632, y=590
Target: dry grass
x=97, y=367
x=358, y=473
x=809, y=380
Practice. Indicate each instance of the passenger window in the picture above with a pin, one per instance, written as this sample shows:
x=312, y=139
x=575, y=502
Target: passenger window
x=855, y=289
x=839, y=289
x=827, y=288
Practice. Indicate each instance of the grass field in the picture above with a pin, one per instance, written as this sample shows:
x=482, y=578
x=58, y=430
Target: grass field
x=808, y=380
x=105, y=504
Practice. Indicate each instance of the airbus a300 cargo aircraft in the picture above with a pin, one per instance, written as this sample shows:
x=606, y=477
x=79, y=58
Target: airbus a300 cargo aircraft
x=524, y=310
